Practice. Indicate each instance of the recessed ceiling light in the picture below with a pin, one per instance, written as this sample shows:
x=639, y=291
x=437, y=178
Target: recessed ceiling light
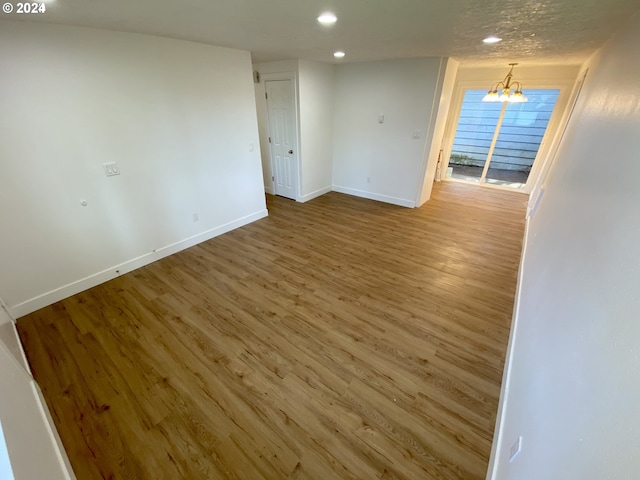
x=492, y=39
x=339, y=54
x=327, y=18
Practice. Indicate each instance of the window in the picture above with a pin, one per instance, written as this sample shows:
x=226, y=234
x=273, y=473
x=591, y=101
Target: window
x=498, y=143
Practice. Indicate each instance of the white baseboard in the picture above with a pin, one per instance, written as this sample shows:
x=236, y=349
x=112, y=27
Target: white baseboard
x=269, y=190
x=316, y=194
x=498, y=434
x=61, y=453
x=78, y=286
x=375, y=196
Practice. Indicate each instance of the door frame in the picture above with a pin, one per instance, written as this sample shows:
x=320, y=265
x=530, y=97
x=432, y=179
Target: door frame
x=548, y=141
x=539, y=186
x=266, y=77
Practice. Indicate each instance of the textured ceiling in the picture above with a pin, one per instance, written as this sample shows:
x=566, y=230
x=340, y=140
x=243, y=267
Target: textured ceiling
x=545, y=31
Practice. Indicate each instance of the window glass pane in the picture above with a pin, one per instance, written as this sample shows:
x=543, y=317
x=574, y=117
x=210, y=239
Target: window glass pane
x=476, y=126
x=520, y=136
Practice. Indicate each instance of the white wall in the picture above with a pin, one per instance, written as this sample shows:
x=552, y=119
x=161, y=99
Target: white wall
x=437, y=125
x=316, y=89
x=9, y=338
x=178, y=117
x=381, y=160
x=33, y=446
x=572, y=387
x=30, y=440
x=543, y=169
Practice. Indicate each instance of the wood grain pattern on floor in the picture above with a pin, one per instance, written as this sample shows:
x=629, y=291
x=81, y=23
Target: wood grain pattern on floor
x=338, y=339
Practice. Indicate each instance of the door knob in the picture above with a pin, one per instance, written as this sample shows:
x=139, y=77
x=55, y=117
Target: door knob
x=290, y=152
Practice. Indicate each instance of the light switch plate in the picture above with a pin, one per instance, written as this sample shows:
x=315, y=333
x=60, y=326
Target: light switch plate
x=111, y=169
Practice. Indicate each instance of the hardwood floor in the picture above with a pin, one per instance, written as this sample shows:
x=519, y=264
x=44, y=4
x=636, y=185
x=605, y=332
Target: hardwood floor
x=338, y=339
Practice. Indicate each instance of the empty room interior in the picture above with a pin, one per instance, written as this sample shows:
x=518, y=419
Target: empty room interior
x=319, y=240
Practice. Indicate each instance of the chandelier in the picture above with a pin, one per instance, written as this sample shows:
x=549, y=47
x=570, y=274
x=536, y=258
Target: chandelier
x=501, y=91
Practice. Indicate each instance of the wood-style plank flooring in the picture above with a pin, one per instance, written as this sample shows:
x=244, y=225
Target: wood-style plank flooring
x=338, y=339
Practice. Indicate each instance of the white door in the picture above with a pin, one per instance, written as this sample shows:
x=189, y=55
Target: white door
x=283, y=137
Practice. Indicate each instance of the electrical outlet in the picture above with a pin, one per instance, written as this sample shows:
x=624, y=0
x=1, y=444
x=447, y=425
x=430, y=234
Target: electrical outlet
x=416, y=135
x=368, y=179
x=196, y=217
x=516, y=448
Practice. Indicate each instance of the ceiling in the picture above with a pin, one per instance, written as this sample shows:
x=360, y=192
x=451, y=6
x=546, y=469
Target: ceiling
x=533, y=32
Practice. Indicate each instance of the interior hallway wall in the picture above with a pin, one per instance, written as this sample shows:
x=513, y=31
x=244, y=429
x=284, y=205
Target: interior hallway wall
x=572, y=390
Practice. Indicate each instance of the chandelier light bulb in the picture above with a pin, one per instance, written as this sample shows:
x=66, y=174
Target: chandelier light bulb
x=327, y=18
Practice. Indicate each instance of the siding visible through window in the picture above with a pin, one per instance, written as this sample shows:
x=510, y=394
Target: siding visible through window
x=518, y=142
